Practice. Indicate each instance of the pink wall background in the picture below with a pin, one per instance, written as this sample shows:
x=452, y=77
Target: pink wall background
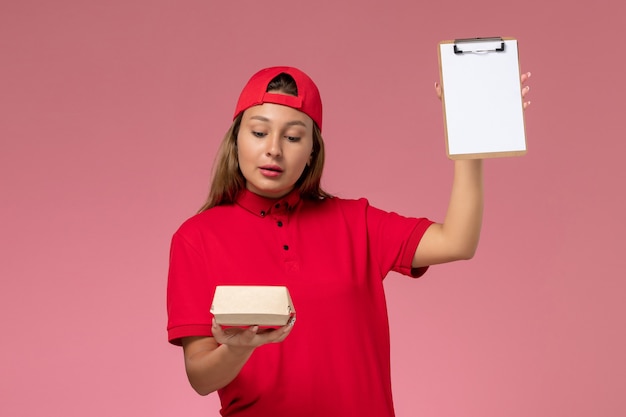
x=110, y=114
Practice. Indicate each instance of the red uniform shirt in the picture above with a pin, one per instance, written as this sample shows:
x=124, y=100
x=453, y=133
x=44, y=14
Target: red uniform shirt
x=333, y=256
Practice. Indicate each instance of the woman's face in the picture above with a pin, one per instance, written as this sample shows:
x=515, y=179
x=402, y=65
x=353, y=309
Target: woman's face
x=274, y=145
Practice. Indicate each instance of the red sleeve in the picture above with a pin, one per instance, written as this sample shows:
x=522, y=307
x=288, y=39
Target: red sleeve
x=394, y=238
x=409, y=253
x=189, y=291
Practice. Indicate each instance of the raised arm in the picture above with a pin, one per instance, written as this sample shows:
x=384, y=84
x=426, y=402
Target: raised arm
x=457, y=237
x=213, y=362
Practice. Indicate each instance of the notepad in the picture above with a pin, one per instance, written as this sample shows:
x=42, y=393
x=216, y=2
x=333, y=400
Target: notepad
x=482, y=100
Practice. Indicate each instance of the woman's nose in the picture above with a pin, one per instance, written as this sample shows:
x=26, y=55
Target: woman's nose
x=274, y=145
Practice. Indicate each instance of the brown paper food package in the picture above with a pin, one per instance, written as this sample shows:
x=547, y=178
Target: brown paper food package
x=248, y=305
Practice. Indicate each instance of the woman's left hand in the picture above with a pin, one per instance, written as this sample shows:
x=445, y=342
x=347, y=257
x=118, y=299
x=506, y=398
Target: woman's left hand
x=525, y=89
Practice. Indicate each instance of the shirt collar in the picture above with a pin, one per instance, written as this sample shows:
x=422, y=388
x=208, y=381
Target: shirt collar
x=262, y=206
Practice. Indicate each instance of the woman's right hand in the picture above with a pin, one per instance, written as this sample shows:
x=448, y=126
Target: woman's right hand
x=250, y=337
x=213, y=362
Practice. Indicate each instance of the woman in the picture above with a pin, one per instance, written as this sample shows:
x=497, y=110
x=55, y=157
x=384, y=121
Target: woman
x=267, y=221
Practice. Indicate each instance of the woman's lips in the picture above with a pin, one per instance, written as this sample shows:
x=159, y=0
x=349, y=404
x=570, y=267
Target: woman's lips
x=271, y=170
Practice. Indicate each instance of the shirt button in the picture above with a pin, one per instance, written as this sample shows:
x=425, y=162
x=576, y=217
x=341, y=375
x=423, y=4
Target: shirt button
x=279, y=223
x=285, y=247
x=262, y=213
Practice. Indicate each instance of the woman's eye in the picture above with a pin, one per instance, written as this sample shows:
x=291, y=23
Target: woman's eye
x=293, y=138
x=258, y=134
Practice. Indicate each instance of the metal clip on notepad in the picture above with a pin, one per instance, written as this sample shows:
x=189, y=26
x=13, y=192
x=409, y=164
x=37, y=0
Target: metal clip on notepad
x=478, y=45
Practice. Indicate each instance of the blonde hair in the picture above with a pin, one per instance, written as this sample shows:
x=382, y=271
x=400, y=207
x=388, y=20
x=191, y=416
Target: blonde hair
x=228, y=181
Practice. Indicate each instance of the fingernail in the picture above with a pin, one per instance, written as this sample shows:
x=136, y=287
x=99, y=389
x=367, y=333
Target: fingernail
x=528, y=74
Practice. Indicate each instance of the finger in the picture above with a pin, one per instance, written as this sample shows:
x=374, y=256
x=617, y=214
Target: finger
x=525, y=90
x=280, y=338
x=278, y=335
x=282, y=333
x=288, y=327
x=249, y=334
x=231, y=335
x=526, y=104
x=525, y=76
x=221, y=335
x=438, y=90
x=216, y=329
